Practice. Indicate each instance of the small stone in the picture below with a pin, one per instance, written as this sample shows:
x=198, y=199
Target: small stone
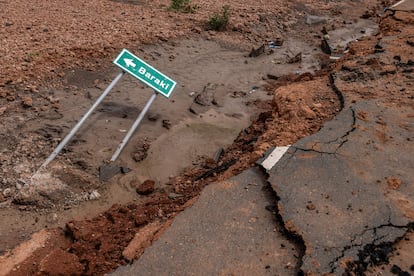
x=257, y=52
x=7, y=192
x=166, y=124
x=311, y=206
x=146, y=188
x=27, y=101
x=94, y=195
x=2, y=198
x=3, y=110
x=325, y=47
x=394, y=182
x=297, y=58
x=196, y=30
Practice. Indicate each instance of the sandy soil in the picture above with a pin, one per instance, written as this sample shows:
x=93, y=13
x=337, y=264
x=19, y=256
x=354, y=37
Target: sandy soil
x=56, y=60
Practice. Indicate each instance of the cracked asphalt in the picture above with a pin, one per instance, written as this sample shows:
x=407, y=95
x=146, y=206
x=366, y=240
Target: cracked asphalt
x=334, y=191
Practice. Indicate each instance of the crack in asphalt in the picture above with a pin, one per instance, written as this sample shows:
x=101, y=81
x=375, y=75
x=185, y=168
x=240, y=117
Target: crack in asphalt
x=334, y=264
x=312, y=150
x=376, y=254
x=343, y=138
x=290, y=235
x=335, y=89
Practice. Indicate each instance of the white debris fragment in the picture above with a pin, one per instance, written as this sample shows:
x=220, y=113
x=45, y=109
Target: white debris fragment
x=94, y=195
x=274, y=157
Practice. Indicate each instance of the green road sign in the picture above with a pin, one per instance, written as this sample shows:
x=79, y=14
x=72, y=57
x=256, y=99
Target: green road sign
x=145, y=73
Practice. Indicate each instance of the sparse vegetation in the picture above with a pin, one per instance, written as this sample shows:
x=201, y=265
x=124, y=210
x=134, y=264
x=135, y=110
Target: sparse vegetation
x=183, y=6
x=219, y=21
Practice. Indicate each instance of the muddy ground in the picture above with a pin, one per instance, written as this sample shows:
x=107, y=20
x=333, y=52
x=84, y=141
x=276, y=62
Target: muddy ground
x=57, y=61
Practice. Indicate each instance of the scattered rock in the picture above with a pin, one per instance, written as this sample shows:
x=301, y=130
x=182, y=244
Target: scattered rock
x=238, y=94
x=206, y=97
x=2, y=198
x=141, y=151
x=27, y=101
x=272, y=77
x=257, y=52
x=166, y=124
x=310, y=206
x=193, y=110
x=94, y=195
x=394, y=182
x=7, y=192
x=325, y=47
x=3, y=110
x=145, y=188
x=19, y=186
x=297, y=58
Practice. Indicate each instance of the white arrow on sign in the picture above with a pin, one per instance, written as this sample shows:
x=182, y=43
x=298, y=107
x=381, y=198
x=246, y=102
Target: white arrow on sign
x=129, y=62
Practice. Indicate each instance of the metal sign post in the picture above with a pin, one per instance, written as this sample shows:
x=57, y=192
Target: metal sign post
x=142, y=71
x=80, y=123
x=134, y=127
